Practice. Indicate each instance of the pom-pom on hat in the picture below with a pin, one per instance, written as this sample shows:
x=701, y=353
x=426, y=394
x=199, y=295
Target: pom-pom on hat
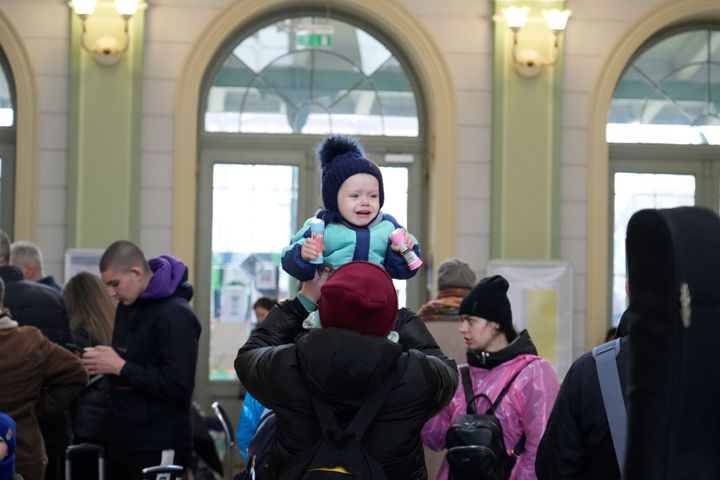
x=488, y=299
x=342, y=157
x=359, y=296
x=7, y=432
x=454, y=273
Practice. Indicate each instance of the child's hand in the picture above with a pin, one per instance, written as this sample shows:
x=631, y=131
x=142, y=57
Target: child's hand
x=408, y=244
x=309, y=250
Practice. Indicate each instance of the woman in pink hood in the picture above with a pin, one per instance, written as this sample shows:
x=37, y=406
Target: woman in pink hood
x=497, y=357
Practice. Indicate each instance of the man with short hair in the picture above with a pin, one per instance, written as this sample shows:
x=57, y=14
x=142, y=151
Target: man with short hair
x=37, y=305
x=151, y=364
x=27, y=257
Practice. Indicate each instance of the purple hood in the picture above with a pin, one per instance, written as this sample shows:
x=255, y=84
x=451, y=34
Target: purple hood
x=168, y=274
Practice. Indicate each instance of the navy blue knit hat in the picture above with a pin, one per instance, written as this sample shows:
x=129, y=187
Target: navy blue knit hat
x=342, y=157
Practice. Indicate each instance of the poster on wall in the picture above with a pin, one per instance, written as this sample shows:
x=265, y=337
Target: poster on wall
x=234, y=303
x=82, y=260
x=541, y=297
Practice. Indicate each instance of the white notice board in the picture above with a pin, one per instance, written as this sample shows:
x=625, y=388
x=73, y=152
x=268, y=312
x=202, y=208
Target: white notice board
x=82, y=260
x=541, y=297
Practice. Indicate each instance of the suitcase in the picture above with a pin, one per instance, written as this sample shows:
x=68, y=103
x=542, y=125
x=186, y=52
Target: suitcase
x=73, y=450
x=163, y=472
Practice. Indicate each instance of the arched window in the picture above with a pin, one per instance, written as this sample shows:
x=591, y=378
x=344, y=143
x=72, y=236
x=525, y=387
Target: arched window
x=311, y=75
x=269, y=98
x=664, y=134
x=7, y=147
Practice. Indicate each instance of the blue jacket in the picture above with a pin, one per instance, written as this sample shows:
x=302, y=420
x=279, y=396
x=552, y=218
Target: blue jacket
x=250, y=415
x=343, y=244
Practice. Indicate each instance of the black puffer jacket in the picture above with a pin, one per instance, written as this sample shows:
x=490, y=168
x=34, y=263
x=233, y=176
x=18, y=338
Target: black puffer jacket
x=37, y=305
x=343, y=368
x=577, y=442
x=90, y=413
x=150, y=399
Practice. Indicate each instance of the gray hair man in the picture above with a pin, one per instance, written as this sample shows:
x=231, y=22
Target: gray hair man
x=28, y=257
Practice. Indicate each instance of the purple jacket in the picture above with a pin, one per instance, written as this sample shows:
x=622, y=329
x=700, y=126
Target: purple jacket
x=525, y=408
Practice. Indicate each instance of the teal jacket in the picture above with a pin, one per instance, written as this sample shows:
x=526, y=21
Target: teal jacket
x=343, y=243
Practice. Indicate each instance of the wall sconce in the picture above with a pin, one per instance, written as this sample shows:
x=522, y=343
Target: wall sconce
x=529, y=62
x=106, y=49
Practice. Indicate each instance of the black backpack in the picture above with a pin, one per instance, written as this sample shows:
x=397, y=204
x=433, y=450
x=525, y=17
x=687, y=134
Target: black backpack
x=340, y=453
x=475, y=443
x=260, y=447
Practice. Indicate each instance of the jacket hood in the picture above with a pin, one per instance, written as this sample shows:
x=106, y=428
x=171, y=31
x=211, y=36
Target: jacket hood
x=343, y=366
x=10, y=274
x=520, y=346
x=169, y=275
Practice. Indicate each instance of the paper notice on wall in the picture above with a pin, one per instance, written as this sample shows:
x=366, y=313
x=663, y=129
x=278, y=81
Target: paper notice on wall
x=82, y=260
x=234, y=304
x=541, y=295
x=542, y=314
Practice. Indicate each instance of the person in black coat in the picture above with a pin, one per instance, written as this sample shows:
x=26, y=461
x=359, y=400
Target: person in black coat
x=577, y=443
x=37, y=305
x=343, y=361
x=151, y=364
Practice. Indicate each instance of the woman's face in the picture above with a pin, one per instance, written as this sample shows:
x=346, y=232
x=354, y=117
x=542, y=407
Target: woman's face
x=480, y=334
x=261, y=313
x=3, y=449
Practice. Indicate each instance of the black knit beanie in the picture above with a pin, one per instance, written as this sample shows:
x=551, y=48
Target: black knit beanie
x=488, y=299
x=342, y=157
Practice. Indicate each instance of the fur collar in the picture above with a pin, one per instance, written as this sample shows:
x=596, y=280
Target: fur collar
x=6, y=322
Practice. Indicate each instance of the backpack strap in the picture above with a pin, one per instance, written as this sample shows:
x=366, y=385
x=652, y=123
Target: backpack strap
x=467, y=388
x=507, y=386
x=368, y=410
x=605, y=360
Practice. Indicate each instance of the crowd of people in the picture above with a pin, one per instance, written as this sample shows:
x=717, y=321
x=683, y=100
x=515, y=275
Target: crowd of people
x=110, y=360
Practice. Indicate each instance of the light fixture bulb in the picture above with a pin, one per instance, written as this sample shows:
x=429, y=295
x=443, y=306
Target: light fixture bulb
x=556, y=19
x=84, y=7
x=516, y=16
x=126, y=7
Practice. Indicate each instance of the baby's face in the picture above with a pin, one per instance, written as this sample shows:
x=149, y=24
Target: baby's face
x=359, y=199
x=3, y=449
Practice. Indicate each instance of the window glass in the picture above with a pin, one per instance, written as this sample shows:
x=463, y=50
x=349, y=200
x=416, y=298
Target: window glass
x=7, y=113
x=254, y=210
x=670, y=93
x=311, y=75
x=633, y=192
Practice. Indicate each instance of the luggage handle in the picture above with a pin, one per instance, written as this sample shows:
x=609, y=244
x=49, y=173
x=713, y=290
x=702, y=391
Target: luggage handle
x=85, y=448
x=168, y=470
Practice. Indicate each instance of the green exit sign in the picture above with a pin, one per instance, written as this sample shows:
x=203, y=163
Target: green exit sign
x=314, y=35
x=313, y=39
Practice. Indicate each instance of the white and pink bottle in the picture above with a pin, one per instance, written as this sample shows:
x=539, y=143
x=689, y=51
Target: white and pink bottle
x=397, y=237
x=317, y=232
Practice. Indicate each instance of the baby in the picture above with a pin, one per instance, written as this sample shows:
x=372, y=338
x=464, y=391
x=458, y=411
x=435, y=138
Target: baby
x=355, y=227
x=7, y=448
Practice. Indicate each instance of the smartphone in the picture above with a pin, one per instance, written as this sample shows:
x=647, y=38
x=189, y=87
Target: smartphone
x=75, y=348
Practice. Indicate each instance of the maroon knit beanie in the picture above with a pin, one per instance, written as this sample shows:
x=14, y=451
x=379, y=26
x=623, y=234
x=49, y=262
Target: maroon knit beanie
x=359, y=296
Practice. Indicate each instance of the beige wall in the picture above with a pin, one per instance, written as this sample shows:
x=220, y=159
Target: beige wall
x=462, y=30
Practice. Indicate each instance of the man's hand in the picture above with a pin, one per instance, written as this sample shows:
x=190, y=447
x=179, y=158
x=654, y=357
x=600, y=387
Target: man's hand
x=311, y=288
x=309, y=250
x=102, y=360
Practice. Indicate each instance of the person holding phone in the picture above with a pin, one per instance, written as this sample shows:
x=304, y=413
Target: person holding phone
x=92, y=316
